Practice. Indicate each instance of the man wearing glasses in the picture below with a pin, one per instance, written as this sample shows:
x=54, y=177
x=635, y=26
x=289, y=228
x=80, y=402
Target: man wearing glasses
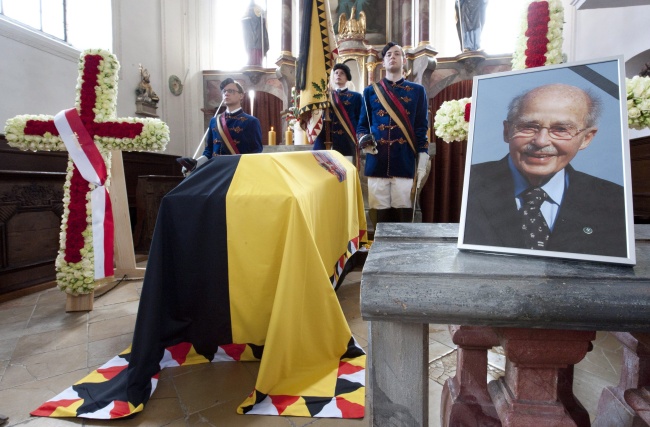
x=231, y=132
x=533, y=198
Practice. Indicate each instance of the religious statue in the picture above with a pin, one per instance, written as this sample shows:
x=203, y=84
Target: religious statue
x=352, y=28
x=256, y=37
x=374, y=24
x=470, y=20
x=145, y=92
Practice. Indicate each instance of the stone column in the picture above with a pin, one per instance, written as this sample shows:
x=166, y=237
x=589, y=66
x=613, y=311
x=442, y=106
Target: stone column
x=407, y=24
x=465, y=399
x=529, y=393
x=635, y=374
x=424, y=23
x=286, y=27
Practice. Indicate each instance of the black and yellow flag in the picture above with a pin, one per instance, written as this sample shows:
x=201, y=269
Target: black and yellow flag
x=241, y=268
x=315, y=61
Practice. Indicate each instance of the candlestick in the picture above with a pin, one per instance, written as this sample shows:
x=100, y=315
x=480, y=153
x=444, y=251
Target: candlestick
x=271, y=136
x=288, y=137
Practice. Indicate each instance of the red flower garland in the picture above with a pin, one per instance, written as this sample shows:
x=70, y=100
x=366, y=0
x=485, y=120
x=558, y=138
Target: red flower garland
x=468, y=110
x=538, y=19
x=77, y=218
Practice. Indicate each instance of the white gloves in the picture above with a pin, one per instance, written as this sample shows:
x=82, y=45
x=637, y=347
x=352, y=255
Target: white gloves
x=424, y=166
x=199, y=162
x=368, y=144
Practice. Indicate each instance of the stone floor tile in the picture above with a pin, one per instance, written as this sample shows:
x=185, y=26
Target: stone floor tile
x=435, y=393
x=100, y=352
x=27, y=369
x=113, y=311
x=442, y=368
x=126, y=291
x=111, y=327
x=442, y=336
x=52, y=317
x=27, y=300
x=437, y=350
x=605, y=360
x=212, y=385
x=3, y=367
x=7, y=347
x=19, y=401
x=225, y=414
x=45, y=342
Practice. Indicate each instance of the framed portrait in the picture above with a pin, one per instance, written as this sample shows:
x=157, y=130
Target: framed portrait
x=548, y=164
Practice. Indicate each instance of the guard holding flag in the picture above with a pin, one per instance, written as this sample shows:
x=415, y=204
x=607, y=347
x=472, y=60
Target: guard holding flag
x=345, y=110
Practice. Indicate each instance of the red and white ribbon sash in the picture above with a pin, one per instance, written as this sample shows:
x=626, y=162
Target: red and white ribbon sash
x=90, y=163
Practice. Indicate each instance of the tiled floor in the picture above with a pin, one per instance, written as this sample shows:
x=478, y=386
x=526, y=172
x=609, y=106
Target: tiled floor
x=44, y=350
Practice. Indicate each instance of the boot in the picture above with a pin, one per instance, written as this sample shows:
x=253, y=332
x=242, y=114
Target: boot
x=405, y=214
x=385, y=215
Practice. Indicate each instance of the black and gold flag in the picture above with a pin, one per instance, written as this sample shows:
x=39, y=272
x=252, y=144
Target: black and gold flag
x=242, y=264
x=315, y=61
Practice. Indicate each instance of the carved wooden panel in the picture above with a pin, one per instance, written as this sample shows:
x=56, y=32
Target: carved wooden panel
x=30, y=219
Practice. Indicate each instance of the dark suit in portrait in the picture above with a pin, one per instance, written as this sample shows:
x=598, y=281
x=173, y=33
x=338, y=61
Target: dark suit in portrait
x=591, y=218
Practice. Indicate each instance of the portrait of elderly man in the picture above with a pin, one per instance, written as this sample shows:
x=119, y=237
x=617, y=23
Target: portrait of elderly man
x=533, y=198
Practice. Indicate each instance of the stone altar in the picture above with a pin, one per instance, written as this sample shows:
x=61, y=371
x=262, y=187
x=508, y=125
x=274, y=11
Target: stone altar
x=543, y=312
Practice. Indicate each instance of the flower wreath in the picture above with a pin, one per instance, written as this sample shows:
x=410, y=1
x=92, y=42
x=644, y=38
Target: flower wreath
x=638, y=102
x=95, y=102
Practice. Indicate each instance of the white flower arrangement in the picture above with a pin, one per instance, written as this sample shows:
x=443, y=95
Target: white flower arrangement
x=450, y=123
x=540, y=39
x=638, y=102
x=95, y=103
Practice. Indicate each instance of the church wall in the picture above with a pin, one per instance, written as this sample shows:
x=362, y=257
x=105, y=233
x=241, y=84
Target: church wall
x=39, y=75
x=612, y=31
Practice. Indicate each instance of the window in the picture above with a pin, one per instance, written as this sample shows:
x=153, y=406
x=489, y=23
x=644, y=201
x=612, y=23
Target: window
x=230, y=52
x=503, y=20
x=81, y=23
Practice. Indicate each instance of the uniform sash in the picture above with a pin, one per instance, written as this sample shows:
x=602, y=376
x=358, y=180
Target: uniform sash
x=346, y=123
x=225, y=135
x=395, y=109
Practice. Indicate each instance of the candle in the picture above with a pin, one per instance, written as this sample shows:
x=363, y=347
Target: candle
x=288, y=137
x=271, y=136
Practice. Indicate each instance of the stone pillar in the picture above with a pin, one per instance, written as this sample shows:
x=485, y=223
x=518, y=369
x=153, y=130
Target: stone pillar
x=398, y=380
x=286, y=27
x=424, y=23
x=465, y=400
x=530, y=393
x=613, y=410
x=407, y=24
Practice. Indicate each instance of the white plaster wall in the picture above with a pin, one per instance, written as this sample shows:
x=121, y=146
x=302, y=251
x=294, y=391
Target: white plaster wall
x=37, y=75
x=611, y=31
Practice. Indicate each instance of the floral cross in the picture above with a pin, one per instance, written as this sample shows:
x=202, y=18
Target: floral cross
x=92, y=132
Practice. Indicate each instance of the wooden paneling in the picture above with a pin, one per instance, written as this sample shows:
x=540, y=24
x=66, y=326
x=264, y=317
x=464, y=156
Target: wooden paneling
x=640, y=165
x=30, y=218
x=31, y=193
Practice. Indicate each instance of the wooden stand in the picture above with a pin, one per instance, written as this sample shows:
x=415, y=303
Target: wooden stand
x=124, y=253
x=79, y=302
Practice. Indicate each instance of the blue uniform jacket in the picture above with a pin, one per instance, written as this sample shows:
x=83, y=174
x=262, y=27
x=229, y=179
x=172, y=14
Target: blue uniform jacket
x=352, y=102
x=395, y=158
x=244, y=129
